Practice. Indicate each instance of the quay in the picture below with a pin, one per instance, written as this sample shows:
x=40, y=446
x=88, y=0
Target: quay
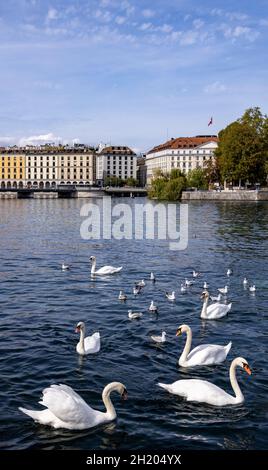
x=226, y=195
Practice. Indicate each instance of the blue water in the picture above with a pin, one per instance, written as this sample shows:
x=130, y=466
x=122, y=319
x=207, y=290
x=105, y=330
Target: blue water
x=40, y=306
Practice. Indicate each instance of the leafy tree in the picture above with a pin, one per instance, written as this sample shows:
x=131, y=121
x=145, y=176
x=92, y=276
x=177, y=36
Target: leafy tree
x=197, y=178
x=243, y=148
x=131, y=182
x=168, y=186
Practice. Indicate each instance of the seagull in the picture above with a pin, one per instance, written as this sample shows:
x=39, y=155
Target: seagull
x=153, y=307
x=196, y=273
x=136, y=290
x=223, y=290
x=170, y=296
x=64, y=267
x=245, y=281
x=140, y=283
x=216, y=299
x=252, y=288
x=229, y=272
x=152, y=277
x=183, y=287
x=205, y=286
x=188, y=283
x=122, y=296
x=159, y=339
x=134, y=315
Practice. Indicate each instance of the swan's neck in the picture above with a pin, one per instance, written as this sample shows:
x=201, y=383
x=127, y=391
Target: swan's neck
x=187, y=347
x=239, y=397
x=204, y=309
x=93, y=267
x=82, y=339
x=110, y=411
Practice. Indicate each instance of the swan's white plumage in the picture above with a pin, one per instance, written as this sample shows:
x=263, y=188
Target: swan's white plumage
x=66, y=409
x=205, y=354
x=215, y=310
x=105, y=270
x=87, y=345
x=206, y=392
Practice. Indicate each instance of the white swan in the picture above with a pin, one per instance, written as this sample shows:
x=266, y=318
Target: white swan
x=153, y=307
x=171, y=296
x=66, y=409
x=88, y=345
x=122, y=296
x=160, y=339
x=105, y=270
x=213, y=311
x=134, y=315
x=205, y=354
x=206, y=392
x=223, y=290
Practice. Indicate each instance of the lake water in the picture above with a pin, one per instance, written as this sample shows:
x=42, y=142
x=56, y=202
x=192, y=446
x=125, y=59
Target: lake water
x=40, y=306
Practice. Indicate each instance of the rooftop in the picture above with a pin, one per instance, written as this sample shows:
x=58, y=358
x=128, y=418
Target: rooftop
x=185, y=142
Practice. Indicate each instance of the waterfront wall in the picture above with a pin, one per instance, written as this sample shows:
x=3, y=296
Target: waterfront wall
x=225, y=195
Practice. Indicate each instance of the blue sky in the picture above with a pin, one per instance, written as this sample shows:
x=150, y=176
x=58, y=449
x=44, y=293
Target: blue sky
x=129, y=71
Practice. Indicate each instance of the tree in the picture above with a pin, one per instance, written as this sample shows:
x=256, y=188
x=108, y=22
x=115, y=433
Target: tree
x=131, y=182
x=243, y=148
x=168, y=186
x=197, y=178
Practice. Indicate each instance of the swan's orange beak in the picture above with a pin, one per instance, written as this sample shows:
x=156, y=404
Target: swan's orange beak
x=77, y=329
x=178, y=332
x=247, y=369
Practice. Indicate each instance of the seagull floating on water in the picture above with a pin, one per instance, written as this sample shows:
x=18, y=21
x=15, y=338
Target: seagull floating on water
x=140, y=283
x=252, y=288
x=216, y=299
x=134, y=315
x=153, y=307
x=170, y=296
x=196, y=273
x=152, y=277
x=160, y=339
x=205, y=285
x=223, y=290
x=64, y=267
x=188, y=283
x=183, y=288
x=229, y=272
x=136, y=290
x=122, y=296
x=245, y=281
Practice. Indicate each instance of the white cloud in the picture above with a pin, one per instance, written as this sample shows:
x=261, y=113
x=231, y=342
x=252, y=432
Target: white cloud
x=52, y=14
x=145, y=26
x=39, y=139
x=165, y=28
x=239, y=31
x=120, y=19
x=264, y=22
x=197, y=24
x=147, y=13
x=6, y=140
x=129, y=9
x=215, y=88
x=104, y=16
x=188, y=38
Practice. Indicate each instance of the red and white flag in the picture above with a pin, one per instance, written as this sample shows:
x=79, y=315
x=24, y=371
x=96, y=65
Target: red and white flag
x=210, y=122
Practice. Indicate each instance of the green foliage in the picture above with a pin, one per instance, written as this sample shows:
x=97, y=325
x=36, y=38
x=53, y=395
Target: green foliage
x=197, y=178
x=243, y=148
x=131, y=182
x=168, y=187
x=113, y=181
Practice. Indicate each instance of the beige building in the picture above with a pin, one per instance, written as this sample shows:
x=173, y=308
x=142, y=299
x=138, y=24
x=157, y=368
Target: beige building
x=47, y=167
x=184, y=153
x=119, y=161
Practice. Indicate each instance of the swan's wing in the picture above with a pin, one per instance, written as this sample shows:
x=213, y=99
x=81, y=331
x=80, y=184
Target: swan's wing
x=218, y=310
x=108, y=270
x=202, y=391
x=207, y=354
x=92, y=343
x=66, y=404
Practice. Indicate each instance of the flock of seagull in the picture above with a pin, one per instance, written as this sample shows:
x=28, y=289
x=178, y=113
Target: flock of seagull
x=64, y=408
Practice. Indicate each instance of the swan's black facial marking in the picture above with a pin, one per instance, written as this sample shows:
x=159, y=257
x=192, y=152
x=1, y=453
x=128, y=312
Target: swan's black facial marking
x=179, y=332
x=124, y=394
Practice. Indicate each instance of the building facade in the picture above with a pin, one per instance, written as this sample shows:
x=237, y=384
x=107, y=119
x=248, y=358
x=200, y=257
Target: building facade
x=184, y=153
x=118, y=161
x=47, y=167
x=141, y=172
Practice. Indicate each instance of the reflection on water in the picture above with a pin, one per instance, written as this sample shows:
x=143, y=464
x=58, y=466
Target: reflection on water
x=41, y=305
